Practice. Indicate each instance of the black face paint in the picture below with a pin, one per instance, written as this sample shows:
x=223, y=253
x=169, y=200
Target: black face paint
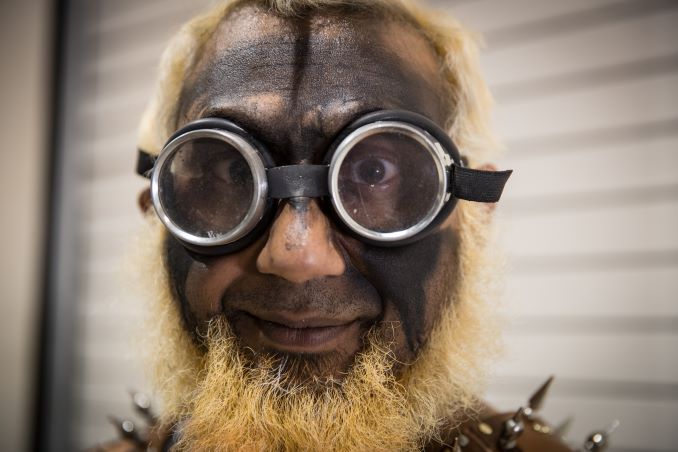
x=320, y=81
x=178, y=262
x=401, y=274
x=394, y=275
x=301, y=53
x=295, y=84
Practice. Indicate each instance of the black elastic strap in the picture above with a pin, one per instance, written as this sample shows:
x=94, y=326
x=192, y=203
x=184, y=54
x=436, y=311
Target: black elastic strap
x=298, y=180
x=478, y=185
x=145, y=163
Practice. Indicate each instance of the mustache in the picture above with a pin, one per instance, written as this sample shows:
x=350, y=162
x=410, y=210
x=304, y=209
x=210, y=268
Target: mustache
x=331, y=295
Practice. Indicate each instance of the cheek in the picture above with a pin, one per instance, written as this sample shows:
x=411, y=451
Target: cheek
x=439, y=287
x=202, y=294
x=178, y=263
x=415, y=281
x=199, y=284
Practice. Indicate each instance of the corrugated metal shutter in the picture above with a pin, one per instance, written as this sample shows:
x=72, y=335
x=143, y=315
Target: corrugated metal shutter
x=587, y=98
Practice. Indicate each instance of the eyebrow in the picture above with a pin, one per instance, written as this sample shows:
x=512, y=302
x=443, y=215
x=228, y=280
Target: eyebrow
x=239, y=108
x=235, y=113
x=252, y=124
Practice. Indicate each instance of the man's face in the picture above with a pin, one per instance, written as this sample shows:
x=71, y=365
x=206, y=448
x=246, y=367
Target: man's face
x=306, y=292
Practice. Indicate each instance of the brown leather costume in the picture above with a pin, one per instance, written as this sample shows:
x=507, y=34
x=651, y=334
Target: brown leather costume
x=481, y=434
x=488, y=431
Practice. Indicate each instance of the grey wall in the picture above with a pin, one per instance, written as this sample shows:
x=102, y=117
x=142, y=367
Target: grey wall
x=587, y=98
x=25, y=52
x=588, y=107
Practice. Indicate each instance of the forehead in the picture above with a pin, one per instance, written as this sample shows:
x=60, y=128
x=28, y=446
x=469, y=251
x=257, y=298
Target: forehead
x=309, y=76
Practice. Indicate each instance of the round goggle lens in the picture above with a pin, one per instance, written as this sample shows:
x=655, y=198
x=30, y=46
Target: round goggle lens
x=206, y=187
x=389, y=182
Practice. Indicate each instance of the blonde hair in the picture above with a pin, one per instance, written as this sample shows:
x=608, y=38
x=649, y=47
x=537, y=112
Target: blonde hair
x=457, y=49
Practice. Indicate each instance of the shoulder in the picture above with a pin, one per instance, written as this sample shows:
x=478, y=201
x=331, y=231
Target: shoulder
x=490, y=431
x=153, y=438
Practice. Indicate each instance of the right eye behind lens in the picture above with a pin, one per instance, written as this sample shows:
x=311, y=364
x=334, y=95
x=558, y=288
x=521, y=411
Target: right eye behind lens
x=206, y=187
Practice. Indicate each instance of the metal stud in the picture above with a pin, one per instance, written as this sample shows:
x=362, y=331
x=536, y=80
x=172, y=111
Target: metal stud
x=485, y=428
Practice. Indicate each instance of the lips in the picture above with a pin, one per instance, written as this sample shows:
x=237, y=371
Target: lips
x=301, y=333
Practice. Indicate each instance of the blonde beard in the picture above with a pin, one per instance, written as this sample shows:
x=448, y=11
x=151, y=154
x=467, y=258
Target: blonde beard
x=225, y=404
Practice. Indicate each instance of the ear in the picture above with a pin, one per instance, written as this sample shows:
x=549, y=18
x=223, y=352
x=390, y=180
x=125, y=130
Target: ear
x=144, y=200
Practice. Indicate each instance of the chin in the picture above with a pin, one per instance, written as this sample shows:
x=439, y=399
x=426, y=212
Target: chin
x=307, y=371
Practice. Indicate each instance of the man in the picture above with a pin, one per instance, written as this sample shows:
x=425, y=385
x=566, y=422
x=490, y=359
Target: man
x=328, y=274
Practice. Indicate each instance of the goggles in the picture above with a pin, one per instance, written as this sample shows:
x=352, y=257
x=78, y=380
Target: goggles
x=389, y=178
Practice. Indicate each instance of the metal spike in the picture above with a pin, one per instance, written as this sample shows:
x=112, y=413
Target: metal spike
x=612, y=427
x=599, y=441
x=535, y=402
x=126, y=429
x=511, y=431
x=142, y=404
x=561, y=430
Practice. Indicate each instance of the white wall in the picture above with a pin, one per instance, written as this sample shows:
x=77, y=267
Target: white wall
x=25, y=34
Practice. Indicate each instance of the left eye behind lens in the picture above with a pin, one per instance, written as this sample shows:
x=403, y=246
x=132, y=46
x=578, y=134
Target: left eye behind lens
x=389, y=182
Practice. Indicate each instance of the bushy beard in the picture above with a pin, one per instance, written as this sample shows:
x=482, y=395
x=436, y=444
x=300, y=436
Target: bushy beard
x=239, y=404
x=224, y=400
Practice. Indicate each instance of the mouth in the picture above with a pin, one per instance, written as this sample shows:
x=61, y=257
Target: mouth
x=299, y=333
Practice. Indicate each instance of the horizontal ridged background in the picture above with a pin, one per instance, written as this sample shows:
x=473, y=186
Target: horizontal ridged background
x=587, y=104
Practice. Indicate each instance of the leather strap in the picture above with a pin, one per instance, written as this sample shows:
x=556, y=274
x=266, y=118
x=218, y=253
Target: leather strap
x=145, y=163
x=311, y=180
x=478, y=185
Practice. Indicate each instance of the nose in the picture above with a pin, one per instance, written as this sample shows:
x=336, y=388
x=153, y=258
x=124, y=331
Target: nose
x=299, y=246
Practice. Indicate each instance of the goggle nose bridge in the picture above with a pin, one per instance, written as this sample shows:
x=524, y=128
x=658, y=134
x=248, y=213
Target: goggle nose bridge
x=294, y=181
